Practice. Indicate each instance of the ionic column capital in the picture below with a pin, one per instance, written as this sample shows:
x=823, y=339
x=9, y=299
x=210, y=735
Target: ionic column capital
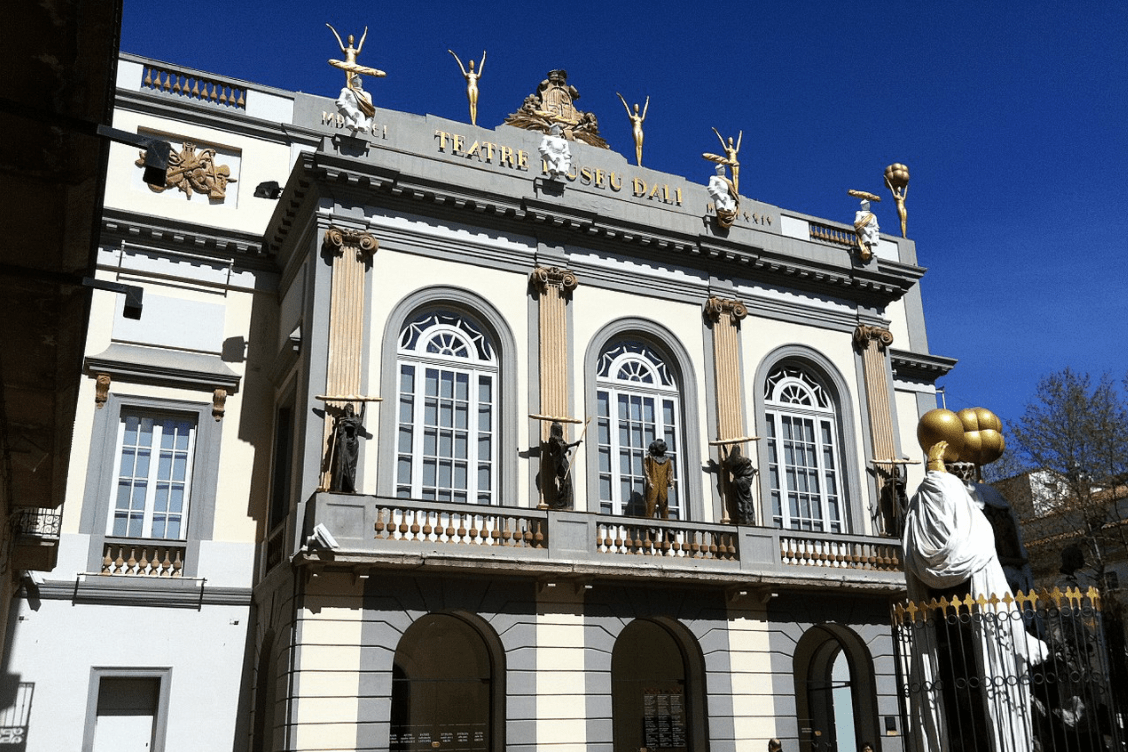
x=544, y=277
x=716, y=307
x=865, y=334
x=338, y=239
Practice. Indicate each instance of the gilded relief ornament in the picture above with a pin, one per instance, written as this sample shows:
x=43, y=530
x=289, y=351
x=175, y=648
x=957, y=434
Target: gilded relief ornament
x=865, y=224
x=354, y=103
x=553, y=104
x=897, y=180
x=191, y=173
x=471, y=83
x=636, y=125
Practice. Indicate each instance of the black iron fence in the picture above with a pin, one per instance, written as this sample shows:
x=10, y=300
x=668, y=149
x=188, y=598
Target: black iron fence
x=1026, y=673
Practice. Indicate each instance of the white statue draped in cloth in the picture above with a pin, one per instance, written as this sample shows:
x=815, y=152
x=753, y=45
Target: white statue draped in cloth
x=950, y=547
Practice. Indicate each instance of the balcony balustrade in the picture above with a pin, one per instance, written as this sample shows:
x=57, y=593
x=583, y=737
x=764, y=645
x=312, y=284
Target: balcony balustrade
x=384, y=532
x=143, y=558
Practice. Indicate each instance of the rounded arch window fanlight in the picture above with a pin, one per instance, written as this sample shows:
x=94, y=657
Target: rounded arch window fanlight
x=792, y=385
x=444, y=334
x=633, y=362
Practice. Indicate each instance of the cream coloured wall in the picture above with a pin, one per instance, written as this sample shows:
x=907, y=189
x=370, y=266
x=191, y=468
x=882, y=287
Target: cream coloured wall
x=750, y=658
x=898, y=324
x=327, y=670
x=561, y=676
x=907, y=418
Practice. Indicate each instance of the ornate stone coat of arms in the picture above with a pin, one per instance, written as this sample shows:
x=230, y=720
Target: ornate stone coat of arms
x=554, y=104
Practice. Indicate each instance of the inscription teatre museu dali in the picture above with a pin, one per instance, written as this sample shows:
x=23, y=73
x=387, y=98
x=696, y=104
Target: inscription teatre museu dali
x=518, y=159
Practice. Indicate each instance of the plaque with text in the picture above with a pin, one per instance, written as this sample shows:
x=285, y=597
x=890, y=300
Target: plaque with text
x=460, y=737
x=663, y=719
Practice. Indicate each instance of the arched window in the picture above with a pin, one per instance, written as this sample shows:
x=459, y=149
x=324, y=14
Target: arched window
x=804, y=460
x=443, y=688
x=637, y=402
x=447, y=418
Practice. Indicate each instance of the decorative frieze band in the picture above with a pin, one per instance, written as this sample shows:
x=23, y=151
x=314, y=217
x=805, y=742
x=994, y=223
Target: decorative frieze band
x=339, y=239
x=545, y=277
x=716, y=307
x=865, y=334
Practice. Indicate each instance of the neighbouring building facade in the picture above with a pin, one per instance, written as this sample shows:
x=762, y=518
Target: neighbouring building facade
x=406, y=315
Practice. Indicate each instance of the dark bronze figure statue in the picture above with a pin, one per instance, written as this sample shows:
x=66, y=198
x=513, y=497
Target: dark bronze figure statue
x=743, y=476
x=559, y=460
x=346, y=449
x=659, y=480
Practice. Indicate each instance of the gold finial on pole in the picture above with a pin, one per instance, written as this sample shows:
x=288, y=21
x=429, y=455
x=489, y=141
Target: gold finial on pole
x=636, y=125
x=471, y=83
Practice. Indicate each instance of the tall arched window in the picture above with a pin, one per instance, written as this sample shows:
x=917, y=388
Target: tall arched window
x=447, y=419
x=803, y=455
x=636, y=403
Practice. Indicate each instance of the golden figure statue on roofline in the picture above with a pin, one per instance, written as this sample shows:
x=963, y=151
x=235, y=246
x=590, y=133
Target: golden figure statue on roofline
x=729, y=159
x=636, y=125
x=897, y=180
x=354, y=103
x=471, y=83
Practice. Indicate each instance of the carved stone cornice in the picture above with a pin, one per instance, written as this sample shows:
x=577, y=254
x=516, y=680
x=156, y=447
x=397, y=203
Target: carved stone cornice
x=544, y=277
x=875, y=284
x=866, y=333
x=919, y=366
x=716, y=307
x=338, y=239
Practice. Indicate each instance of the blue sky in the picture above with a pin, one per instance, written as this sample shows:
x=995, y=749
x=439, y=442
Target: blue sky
x=1012, y=118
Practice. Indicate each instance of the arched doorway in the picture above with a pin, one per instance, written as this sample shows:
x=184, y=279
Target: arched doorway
x=835, y=697
x=446, y=688
x=657, y=689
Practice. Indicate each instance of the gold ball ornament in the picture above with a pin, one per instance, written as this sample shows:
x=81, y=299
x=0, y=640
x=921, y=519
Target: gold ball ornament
x=897, y=174
x=942, y=425
x=983, y=431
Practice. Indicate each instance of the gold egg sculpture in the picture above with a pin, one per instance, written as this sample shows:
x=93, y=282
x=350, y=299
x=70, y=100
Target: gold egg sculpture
x=942, y=425
x=983, y=431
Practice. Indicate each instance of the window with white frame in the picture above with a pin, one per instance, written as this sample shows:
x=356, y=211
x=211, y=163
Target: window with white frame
x=154, y=470
x=804, y=475
x=637, y=402
x=447, y=418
